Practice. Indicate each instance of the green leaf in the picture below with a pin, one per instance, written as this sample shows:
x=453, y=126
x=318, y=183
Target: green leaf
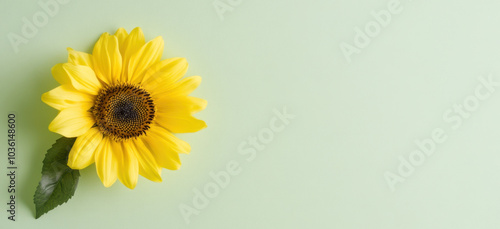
x=59, y=182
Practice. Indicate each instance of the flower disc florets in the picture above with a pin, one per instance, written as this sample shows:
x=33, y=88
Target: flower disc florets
x=123, y=111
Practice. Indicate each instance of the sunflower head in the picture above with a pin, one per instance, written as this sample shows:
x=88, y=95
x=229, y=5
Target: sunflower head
x=123, y=103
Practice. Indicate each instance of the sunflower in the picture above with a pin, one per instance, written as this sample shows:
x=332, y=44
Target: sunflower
x=123, y=103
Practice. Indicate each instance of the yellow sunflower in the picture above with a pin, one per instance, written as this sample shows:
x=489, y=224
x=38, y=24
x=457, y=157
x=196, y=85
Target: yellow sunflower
x=122, y=103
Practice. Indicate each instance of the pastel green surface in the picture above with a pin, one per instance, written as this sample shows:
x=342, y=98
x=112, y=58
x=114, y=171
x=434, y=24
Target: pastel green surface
x=421, y=78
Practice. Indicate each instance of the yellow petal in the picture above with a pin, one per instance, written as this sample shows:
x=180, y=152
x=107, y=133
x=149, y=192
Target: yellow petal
x=148, y=167
x=72, y=122
x=186, y=104
x=82, y=78
x=66, y=96
x=173, y=142
x=132, y=43
x=121, y=34
x=165, y=148
x=145, y=57
x=107, y=59
x=164, y=74
x=79, y=58
x=180, y=88
x=165, y=157
x=82, y=153
x=175, y=113
x=179, y=122
x=60, y=74
x=105, y=162
x=128, y=166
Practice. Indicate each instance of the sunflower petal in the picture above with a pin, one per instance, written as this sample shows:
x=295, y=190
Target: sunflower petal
x=145, y=57
x=66, y=96
x=128, y=165
x=79, y=58
x=165, y=157
x=60, y=74
x=180, y=88
x=132, y=43
x=164, y=74
x=165, y=149
x=148, y=167
x=105, y=162
x=187, y=104
x=175, y=113
x=195, y=104
x=180, y=122
x=82, y=153
x=107, y=59
x=72, y=122
x=82, y=78
x=121, y=34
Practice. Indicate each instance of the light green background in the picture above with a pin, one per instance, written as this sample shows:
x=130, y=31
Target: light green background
x=326, y=168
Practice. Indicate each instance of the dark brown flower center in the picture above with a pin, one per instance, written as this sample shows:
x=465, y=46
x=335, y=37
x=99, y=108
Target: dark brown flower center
x=123, y=111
